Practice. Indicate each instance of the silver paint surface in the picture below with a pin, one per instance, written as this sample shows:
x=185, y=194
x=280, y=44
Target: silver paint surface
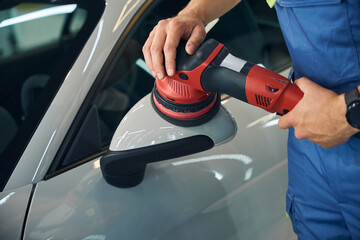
x=233, y=191
x=142, y=127
x=13, y=206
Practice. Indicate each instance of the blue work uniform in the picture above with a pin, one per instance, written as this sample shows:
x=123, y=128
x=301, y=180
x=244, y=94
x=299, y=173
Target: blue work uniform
x=323, y=38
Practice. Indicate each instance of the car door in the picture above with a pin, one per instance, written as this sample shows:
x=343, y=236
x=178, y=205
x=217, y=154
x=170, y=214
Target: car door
x=233, y=191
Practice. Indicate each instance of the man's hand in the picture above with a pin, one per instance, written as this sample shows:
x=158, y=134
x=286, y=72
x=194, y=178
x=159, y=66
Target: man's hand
x=165, y=38
x=189, y=25
x=319, y=116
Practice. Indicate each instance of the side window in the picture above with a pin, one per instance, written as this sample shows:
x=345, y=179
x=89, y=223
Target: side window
x=247, y=31
x=128, y=81
x=38, y=45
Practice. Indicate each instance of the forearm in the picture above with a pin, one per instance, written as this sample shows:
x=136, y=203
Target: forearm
x=208, y=10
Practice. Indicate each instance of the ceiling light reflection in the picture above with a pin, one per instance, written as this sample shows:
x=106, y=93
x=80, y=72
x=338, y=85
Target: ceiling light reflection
x=271, y=123
x=39, y=14
x=238, y=157
x=218, y=175
x=4, y=200
x=262, y=120
x=96, y=164
x=248, y=174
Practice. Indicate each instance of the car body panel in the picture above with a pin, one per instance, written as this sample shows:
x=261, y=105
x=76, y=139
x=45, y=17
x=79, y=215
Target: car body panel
x=13, y=210
x=217, y=194
x=135, y=131
x=51, y=131
x=235, y=190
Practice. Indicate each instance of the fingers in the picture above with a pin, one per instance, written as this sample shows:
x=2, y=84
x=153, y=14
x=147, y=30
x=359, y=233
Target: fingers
x=170, y=56
x=301, y=82
x=196, y=38
x=164, y=40
x=147, y=53
x=292, y=118
x=160, y=43
x=289, y=119
x=172, y=42
x=284, y=122
x=156, y=49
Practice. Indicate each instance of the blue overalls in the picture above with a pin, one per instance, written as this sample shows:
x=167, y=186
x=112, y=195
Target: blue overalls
x=323, y=38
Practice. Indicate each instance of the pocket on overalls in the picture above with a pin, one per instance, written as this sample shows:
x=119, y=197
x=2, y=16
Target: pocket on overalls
x=290, y=210
x=305, y=3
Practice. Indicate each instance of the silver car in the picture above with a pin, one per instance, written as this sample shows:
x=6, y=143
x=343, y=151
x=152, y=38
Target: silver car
x=70, y=70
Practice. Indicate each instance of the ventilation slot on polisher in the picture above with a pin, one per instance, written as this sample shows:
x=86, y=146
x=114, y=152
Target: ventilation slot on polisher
x=179, y=88
x=262, y=101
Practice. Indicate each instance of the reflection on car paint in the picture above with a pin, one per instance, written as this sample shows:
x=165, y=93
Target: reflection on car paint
x=263, y=120
x=124, y=14
x=40, y=165
x=101, y=23
x=238, y=157
x=218, y=175
x=222, y=203
x=4, y=199
x=271, y=123
x=96, y=164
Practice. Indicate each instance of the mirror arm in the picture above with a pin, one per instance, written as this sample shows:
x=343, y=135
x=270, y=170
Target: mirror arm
x=126, y=168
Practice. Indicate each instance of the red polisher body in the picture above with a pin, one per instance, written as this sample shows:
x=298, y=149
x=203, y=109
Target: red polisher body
x=191, y=96
x=271, y=91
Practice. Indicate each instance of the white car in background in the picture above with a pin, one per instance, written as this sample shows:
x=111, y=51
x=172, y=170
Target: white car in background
x=69, y=72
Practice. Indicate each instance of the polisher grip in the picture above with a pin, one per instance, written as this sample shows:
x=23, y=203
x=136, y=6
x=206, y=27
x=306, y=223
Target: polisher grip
x=255, y=85
x=271, y=91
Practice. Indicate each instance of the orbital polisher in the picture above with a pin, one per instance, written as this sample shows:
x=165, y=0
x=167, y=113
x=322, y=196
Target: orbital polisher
x=191, y=97
x=191, y=100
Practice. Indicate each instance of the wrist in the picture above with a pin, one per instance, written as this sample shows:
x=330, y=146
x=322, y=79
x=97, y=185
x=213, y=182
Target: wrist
x=341, y=110
x=194, y=13
x=352, y=101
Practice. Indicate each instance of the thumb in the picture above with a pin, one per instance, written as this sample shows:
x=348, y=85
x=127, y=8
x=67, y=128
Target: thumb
x=305, y=84
x=284, y=122
x=196, y=38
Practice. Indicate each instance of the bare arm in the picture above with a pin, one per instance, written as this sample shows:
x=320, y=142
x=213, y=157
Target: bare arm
x=189, y=24
x=208, y=10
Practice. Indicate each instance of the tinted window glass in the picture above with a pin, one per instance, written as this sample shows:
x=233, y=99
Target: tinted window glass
x=247, y=31
x=38, y=44
x=127, y=83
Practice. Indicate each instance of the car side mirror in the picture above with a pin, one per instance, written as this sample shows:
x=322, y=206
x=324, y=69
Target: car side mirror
x=144, y=137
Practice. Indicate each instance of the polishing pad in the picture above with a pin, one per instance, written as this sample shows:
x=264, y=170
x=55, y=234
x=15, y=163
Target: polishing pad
x=183, y=105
